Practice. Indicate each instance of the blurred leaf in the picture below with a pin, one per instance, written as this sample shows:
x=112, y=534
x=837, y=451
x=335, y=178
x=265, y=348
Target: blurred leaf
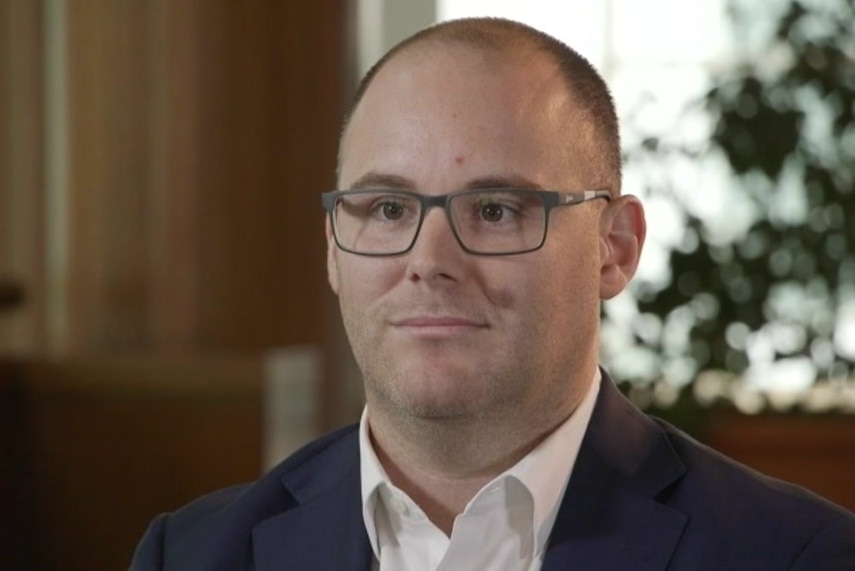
x=792, y=271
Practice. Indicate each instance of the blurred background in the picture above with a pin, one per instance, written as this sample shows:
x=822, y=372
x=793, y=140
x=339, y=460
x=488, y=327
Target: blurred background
x=165, y=323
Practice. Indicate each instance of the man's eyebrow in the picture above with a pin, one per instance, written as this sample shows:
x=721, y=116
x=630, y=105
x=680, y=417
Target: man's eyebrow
x=372, y=179
x=503, y=181
x=381, y=180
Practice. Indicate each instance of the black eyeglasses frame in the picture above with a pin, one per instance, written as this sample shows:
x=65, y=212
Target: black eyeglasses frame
x=550, y=198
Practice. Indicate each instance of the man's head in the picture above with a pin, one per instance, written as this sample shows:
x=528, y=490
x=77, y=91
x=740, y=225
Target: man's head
x=595, y=120
x=441, y=333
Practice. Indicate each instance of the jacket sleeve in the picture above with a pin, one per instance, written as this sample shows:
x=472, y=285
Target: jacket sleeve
x=831, y=550
x=149, y=553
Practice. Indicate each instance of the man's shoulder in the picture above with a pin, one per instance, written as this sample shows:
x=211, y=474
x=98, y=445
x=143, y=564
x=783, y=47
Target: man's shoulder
x=737, y=493
x=742, y=516
x=340, y=445
x=269, y=494
x=218, y=526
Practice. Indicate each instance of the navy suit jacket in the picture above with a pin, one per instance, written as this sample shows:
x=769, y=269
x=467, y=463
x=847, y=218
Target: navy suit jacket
x=642, y=496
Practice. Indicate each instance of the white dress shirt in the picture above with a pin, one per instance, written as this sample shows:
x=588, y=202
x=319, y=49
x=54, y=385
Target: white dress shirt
x=506, y=525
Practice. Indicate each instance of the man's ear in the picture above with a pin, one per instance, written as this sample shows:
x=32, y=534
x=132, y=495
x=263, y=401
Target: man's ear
x=332, y=259
x=622, y=233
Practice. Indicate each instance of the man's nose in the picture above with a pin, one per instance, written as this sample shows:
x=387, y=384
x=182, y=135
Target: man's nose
x=436, y=252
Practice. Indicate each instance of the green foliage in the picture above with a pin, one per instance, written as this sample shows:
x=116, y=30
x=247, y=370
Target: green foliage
x=785, y=123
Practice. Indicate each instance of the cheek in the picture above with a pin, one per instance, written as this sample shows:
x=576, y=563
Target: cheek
x=565, y=290
x=522, y=294
x=362, y=280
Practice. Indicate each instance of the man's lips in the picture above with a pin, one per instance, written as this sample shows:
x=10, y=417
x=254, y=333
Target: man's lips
x=437, y=325
x=434, y=321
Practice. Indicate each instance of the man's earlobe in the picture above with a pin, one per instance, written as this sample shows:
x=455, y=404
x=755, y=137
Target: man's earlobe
x=622, y=233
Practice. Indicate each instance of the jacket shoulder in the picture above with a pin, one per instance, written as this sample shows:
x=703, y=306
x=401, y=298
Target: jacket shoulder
x=715, y=473
x=218, y=526
x=211, y=503
x=746, y=513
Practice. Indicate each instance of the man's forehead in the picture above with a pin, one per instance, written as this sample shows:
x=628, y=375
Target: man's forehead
x=429, y=70
x=514, y=103
x=457, y=53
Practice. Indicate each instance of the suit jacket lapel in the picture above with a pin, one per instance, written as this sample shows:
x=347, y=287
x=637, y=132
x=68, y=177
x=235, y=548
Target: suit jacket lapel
x=325, y=531
x=610, y=518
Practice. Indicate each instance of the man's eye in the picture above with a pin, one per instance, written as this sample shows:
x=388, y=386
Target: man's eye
x=492, y=212
x=392, y=210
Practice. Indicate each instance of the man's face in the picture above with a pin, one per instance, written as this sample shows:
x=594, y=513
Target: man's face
x=437, y=332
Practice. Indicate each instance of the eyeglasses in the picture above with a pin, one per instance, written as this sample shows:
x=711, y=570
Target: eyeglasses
x=487, y=221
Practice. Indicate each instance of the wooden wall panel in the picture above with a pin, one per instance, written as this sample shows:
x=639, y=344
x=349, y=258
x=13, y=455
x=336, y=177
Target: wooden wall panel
x=200, y=137
x=269, y=119
x=17, y=521
x=176, y=159
x=817, y=452
x=22, y=224
x=109, y=108
x=98, y=447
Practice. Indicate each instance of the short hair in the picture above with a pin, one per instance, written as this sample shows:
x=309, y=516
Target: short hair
x=590, y=92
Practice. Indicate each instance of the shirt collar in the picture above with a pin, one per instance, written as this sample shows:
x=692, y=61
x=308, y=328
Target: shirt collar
x=543, y=472
x=372, y=477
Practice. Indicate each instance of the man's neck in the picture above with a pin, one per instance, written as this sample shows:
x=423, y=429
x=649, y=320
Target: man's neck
x=442, y=465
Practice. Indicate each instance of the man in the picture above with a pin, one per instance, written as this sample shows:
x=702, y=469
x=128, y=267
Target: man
x=479, y=226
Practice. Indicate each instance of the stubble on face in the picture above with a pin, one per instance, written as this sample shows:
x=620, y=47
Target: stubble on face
x=464, y=378
x=533, y=338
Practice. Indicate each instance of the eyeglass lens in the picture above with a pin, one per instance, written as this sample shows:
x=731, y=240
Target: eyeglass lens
x=490, y=221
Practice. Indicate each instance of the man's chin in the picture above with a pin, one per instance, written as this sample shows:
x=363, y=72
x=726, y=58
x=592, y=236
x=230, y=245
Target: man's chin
x=421, y=390
x=449, y=406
